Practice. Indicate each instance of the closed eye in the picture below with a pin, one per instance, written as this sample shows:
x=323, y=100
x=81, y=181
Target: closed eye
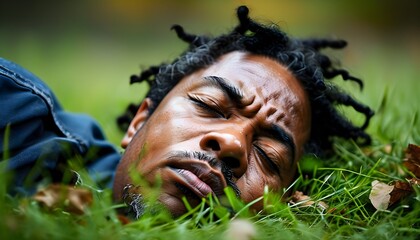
x=267, y=159
x=200, y=103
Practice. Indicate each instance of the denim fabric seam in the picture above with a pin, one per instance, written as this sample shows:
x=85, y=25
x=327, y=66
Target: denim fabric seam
x=22, y=81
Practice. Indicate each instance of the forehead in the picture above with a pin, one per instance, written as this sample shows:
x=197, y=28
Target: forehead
x=258, y=76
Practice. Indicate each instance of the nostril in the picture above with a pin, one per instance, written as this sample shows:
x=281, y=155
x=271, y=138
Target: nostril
x=214, y=145
x=231, y=162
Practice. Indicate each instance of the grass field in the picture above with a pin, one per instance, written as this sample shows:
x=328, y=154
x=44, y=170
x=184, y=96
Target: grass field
x=89, y=79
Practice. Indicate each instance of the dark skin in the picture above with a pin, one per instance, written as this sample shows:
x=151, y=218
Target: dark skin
x=245, y=113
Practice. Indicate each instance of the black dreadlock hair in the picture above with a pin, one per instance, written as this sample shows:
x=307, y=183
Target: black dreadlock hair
x=301, y=56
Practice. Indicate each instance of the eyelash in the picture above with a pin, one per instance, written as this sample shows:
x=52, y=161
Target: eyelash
x=205, y=106
x=270, y=162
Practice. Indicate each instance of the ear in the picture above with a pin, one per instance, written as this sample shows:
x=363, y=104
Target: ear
x=137, y=122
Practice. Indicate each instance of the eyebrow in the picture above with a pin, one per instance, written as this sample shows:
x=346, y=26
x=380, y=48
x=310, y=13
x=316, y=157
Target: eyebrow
x=282, y=136
x=234, y=93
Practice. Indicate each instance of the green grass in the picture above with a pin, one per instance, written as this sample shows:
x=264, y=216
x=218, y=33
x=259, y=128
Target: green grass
x=343, y=181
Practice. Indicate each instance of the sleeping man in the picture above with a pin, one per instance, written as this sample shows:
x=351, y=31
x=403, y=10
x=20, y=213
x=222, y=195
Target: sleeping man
x=238, y=110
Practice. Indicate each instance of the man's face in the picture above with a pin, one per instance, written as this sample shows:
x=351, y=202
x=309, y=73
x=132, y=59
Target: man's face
x=242, y=122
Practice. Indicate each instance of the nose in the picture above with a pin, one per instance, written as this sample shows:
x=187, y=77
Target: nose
x=229, y=147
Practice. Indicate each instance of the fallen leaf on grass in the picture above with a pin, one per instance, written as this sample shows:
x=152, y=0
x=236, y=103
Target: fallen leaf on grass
x=305, y=201
x=380, y=195
x=383, y=195
x=400, y=191
x=123, y=219
x=412, y=159
x=70, y=199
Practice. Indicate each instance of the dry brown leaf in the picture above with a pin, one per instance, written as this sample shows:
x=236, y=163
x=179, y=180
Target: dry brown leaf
x=69, y=198
x=380, y=195
x=123, y=219
x=305, y=201
x=299, y=197
x=400, y=191
x=412, y=159
x=414, y=181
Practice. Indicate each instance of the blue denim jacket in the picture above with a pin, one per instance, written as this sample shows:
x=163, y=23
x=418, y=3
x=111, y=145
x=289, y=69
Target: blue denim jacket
x=43, y=137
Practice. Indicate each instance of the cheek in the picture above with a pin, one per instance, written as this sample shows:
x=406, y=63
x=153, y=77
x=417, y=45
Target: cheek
x=166, y=126
x=174, y=122
x=253, y=182
x=168, y=130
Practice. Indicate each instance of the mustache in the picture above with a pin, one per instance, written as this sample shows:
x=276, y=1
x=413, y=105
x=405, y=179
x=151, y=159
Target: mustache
x=214, y=162
x=135, y=201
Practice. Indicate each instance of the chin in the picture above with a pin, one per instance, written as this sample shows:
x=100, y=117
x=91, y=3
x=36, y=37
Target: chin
x=174, y=205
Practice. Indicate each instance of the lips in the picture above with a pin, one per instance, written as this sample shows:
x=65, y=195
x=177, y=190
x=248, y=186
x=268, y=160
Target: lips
x=199, y=178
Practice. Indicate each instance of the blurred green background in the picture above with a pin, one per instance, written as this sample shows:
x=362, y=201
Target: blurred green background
x=86, y=50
